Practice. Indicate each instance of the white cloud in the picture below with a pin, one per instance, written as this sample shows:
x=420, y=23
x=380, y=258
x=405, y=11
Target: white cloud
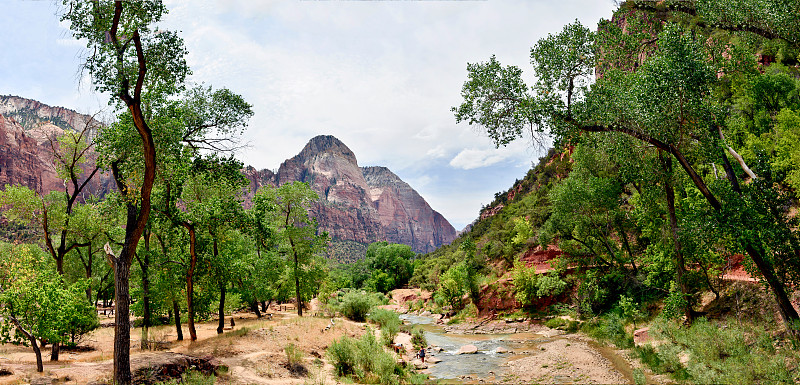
x=379, y=75
x=469, y=159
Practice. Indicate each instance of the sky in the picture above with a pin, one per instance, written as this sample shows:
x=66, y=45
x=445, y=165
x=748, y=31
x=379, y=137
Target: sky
x=381, y=76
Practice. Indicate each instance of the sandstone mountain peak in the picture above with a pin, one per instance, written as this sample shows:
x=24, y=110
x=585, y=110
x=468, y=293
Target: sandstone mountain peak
x=327, y=144
x=360, y=205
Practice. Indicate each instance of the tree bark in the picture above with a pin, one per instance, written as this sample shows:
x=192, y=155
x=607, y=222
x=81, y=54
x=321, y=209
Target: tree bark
x=54, y=351
x=190, y=280
x=297, y=283
x=34, y=344
x=122, y=322
x=680, y=263
x=222, y=290
x=176, y=309
x=254, y=308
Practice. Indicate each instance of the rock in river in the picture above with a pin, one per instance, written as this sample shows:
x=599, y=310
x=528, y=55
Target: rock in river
x=468, y=349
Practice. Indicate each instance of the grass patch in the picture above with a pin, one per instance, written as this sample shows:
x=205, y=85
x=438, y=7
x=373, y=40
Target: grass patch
x=733, y=353
x=562, y=324
x=294, y=360
x=192, y=377
x=609, y=328
x=469, y=311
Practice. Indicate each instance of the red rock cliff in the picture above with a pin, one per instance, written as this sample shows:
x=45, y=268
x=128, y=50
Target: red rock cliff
x=360, y=204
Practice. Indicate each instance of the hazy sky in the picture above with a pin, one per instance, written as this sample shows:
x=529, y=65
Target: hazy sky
x=379, y=75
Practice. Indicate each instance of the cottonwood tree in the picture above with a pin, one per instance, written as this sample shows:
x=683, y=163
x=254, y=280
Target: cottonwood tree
x=666, y=102
x=129, y=59
x=297, y=236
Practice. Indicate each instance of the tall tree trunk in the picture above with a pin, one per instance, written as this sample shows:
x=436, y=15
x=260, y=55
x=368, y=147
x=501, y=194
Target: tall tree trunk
x=680, y=263
x=144, y=264
x=122, y=322
x=176, y=309
x=222, y=290
x=297, y=284
x=190, y=281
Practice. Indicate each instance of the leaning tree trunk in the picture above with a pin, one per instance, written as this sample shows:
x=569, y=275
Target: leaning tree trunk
x=787, y=311
x=34, y=343
x=254, y=308
x=680, y=263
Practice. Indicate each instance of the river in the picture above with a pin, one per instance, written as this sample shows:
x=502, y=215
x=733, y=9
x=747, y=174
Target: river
x=545, y=357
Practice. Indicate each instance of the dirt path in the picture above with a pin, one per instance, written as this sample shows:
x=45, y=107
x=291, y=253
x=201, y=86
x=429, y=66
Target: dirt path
x=253, y=351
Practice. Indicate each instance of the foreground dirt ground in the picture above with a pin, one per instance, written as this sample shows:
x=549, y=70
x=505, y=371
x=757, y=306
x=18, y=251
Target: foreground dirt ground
x=253, y=351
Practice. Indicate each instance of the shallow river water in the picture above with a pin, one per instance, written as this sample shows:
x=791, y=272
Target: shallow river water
x=488, y=365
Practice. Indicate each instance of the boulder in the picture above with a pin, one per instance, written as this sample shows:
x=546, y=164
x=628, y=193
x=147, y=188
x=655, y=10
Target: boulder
x=502, y=350
x=641, y=336
x=468, y=349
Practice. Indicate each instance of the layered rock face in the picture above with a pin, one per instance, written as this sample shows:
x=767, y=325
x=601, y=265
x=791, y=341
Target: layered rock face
x=360, y=204
x=26, y=150
x=31, y=114
x=24, y=160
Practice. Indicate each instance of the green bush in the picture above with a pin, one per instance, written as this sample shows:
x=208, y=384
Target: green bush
x=530, y=286
x=343, y=356
x=366, y=361
x=192, y=377
x=389, y=323
x=418, y=339
x=610, y=328
x=356, y=304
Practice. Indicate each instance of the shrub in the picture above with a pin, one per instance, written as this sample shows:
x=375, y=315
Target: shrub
x=530, y=286
x=355, y=306
x=418, y=339
x=366, y=361
x=343, y=356
x=192, y=377
x=389, y=323
x=611, y=328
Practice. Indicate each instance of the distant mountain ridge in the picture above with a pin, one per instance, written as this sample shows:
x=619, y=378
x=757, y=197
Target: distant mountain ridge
x=360, y=204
